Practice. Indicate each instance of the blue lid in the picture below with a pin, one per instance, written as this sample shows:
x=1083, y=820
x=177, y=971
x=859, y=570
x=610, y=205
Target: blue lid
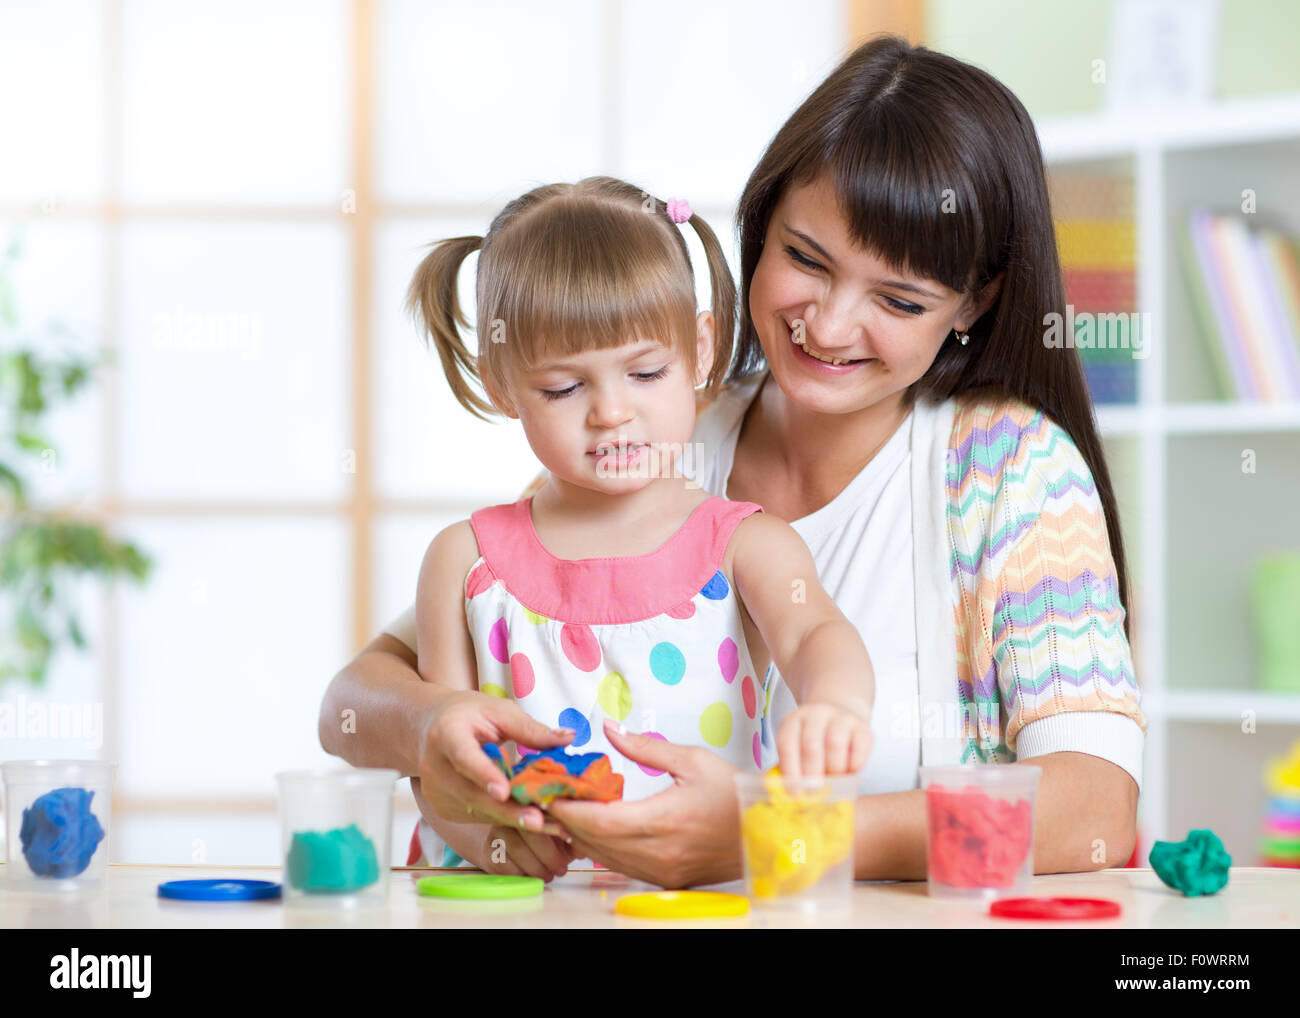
x=219, y=890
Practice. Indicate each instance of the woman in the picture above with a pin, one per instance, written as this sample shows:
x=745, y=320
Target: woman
x=894, y=400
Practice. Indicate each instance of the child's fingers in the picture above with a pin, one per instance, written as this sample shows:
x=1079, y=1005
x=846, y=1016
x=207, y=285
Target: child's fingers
x=839, y=741
x=863, y=741
x=517, y=854
x=548, y=851
x=789, y=746
x=812, y=755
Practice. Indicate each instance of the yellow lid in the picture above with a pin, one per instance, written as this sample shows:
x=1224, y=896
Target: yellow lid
x=682, y=905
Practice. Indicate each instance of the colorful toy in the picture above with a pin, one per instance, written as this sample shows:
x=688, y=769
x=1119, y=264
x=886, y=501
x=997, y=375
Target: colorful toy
x=1054, y=908
x=59, y=833
x=541, y=777
x=338, y=861
x=1196, y=866
x=682, y=905
x=1281, y=842
x=790, y=842
x=976, y=839
x=479, y=886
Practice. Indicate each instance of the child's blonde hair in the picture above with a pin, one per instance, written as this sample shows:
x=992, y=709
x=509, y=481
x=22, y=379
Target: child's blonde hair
x=565, y=269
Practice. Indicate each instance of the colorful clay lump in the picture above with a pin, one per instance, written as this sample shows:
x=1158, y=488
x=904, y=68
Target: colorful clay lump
x=59, y=833
x=1196, y=866
x=551, y=774
x=1281, y=842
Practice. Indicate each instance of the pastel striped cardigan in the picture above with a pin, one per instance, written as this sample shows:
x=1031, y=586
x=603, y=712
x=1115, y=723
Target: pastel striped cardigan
x=1039, y=629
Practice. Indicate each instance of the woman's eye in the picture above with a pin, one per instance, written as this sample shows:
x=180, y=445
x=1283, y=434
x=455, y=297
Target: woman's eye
x=911, y=309
x=801, y=258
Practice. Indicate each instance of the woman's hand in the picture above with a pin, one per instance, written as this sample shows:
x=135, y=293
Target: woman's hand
x=460, y=781
x=685, y=835
x=823, y=738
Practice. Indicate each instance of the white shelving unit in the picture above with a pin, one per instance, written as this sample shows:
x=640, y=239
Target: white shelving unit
x=1194, y=522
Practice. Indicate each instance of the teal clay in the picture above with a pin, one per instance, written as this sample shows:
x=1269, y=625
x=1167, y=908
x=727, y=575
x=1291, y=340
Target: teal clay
x=333, y=862
x=1196, y=866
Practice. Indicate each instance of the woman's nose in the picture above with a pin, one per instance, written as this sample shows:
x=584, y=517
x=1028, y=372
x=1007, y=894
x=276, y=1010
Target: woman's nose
x=836, y=323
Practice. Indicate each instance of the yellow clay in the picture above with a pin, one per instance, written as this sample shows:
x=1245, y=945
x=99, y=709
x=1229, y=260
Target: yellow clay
x=790, y=841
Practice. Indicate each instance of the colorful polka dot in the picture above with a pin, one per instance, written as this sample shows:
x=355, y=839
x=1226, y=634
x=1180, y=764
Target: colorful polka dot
x=533, y=617
x=715, y=724
x=654, y=772
x=580, y=646
x=748, y=695
x=492, y=689
x=573, y=718
x=614, y=696
x=521, y=675
x=716, y=589
x=728, y=658
x=480, y=578
x=525, y=750
x=499, y=641
x=685, y=610
x=758, y=752
x=667, y=663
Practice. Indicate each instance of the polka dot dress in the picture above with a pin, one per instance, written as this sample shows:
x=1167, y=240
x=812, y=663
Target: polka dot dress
x=654, y=642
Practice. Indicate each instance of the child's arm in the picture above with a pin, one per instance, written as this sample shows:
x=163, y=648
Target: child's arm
x=444, y=650
x=818, y=651
x=445, y=655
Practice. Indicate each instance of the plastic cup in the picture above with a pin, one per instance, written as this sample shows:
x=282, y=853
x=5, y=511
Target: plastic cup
x=337, y=832
x=57, y=818
x=797, y=840
x=979, y=830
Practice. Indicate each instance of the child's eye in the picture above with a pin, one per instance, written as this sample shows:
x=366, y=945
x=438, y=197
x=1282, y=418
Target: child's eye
x=911, y=309
x=644, y=376
x=801, y=258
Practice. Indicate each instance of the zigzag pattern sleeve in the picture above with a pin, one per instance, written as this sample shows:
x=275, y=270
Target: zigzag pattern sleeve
x=1040, y=628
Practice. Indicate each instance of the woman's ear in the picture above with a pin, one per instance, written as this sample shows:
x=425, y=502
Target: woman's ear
x=975, y=305
x=704, y=342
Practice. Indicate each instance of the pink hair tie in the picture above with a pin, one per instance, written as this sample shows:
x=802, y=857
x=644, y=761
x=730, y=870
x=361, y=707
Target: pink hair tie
x=679, y=210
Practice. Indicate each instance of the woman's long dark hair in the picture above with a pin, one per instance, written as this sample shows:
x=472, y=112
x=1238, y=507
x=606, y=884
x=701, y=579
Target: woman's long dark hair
x=938, y=170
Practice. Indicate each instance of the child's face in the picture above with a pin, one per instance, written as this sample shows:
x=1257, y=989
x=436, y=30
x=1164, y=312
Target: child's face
x=578, y=410
x=815, y=289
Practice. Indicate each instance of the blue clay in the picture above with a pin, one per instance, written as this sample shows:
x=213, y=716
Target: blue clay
x=59, y=834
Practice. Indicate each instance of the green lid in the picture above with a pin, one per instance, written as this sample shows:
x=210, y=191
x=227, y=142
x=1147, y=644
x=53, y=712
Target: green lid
x=479, y=885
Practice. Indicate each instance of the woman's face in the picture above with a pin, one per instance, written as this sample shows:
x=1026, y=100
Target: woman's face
x=816, y=297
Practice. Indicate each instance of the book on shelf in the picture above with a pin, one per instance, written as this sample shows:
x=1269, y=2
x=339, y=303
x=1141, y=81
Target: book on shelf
x=1244, y=284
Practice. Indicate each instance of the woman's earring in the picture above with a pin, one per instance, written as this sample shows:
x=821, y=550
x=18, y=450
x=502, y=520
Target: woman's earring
x=964, y=337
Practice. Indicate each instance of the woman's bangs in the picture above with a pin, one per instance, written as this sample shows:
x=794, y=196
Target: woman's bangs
x=905, y=199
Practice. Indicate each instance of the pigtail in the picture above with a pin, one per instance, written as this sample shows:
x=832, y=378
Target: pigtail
x=723, y=288
x=433, y=301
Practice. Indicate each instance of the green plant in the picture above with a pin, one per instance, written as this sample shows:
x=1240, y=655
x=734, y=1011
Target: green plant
x=42, y=551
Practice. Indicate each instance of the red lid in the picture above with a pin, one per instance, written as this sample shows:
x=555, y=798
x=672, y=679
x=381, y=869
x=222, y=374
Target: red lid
x=1055, y=908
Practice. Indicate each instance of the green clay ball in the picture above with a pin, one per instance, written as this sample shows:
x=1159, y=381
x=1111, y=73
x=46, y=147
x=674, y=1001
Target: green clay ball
x=1196, y=866
x=333, y=862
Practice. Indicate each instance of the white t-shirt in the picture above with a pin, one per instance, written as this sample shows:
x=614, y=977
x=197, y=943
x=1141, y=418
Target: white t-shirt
x=861, y=542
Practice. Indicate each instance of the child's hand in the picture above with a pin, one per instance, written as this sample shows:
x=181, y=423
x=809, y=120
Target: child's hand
x=820, y=739
x=522, y=853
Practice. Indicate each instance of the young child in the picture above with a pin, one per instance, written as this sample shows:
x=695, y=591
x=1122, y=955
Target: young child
x=620, y=590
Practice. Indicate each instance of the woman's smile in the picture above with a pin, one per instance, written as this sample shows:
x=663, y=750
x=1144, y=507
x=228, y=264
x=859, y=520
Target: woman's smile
x=836, y=365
